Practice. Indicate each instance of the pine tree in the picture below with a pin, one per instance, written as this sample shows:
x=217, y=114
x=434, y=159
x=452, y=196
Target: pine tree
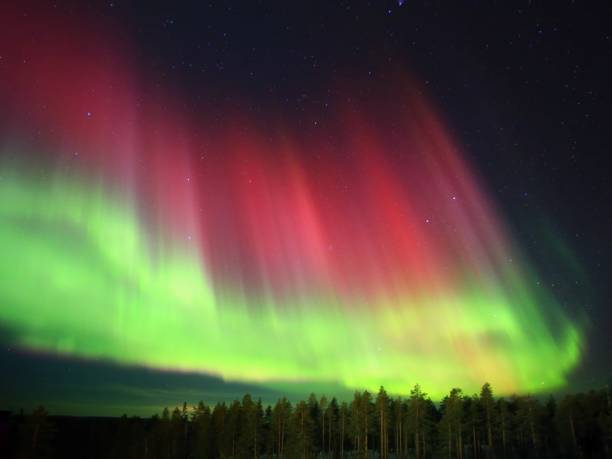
x=219, y=434
x=280, y=418
x=322, y=411
x=332, y=413
x=356, y=423
x=382, y=414
x=528, y=417
x=267, y=434
x=302, y=430
x=488, y=403
x=344, y=420
x=451, y=424
x=504, y=423
x=395, y=413
x=365, y=410
x=250, y=427
x=200, y=419
x=474, y=412
x=416, y=416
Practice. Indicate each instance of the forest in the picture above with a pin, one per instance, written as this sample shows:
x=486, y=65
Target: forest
x=371, y=425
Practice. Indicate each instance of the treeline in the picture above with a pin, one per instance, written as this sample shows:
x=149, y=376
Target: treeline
x=461, y=426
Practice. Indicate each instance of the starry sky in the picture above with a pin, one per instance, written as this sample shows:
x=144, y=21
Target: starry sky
x=208, y=199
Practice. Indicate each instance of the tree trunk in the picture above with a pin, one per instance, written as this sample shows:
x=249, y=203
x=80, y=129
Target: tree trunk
x=255, y=442
x=380, y=446
x=365, y=435
x=342, y=437
x=534, y=440
x=329, y=436
x=323, y=431
x=401, y=430
x=382, y=432
x=489, y=430
x=504, y=434
x=573, y=431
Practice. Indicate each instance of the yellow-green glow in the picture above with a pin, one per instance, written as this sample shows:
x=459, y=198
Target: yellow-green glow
x=82, y=276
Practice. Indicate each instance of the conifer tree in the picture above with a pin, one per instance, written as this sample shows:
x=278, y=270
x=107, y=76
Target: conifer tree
x=280, y=419
x=382, y=414
x=323, y=412
x=451, y=425
x=302, y=425
x=487, y=402
x=416, y=416
x=344, y=421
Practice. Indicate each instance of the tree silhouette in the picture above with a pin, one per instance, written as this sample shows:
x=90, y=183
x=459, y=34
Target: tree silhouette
x=487, y=402
x=382, y=414
x=452, y=423
x=480, y=426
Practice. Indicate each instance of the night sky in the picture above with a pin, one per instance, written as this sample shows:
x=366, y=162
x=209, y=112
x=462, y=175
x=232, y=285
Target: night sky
x=198, y=201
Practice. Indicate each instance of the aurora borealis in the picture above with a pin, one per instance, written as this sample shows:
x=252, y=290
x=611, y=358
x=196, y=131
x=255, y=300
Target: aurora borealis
x=361, y=249
x=130, y=294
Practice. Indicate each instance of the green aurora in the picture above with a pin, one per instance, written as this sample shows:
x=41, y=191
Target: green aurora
x=82, y=277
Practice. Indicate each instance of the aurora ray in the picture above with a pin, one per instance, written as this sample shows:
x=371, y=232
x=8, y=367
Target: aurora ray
x=361, y=252
x=83, y=280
